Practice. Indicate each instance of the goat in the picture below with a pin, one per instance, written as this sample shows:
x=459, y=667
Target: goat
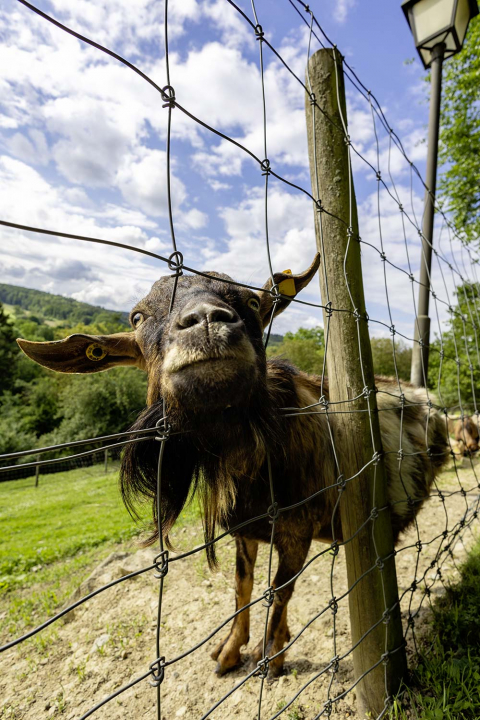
x=466, y=435
x=207, y=366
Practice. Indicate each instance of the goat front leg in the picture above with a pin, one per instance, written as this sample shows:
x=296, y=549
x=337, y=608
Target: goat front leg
x=227, y=653
x=292, y=552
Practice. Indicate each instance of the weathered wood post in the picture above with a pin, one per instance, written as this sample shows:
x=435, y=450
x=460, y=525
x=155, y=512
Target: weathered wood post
x=356, y=434
x=105, y=462
x=37, y=471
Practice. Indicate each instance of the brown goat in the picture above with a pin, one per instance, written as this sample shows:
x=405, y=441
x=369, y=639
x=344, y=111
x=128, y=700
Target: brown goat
x=466, y=435
x=206, y=362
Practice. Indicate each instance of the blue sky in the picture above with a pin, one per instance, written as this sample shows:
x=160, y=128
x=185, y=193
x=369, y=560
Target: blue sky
x=83, y=144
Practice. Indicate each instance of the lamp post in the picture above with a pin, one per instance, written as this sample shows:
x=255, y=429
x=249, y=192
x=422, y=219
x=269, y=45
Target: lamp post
x=439, y=28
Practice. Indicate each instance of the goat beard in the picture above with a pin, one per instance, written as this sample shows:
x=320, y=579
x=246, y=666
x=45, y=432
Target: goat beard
x=204, y=455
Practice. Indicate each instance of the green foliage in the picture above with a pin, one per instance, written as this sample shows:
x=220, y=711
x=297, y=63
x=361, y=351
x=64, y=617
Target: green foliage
x=99, y=404
x=384, y=361
x=447, y=680
x=40, y=407
x=305, y=349
x=8, y=352
x=460, y=134
x=446, y=377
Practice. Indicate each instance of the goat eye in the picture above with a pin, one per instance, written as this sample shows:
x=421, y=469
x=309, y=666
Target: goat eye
x=254, y=304
x=137, y=319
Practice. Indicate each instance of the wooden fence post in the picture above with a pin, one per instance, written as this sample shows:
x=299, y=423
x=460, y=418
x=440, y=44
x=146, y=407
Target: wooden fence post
x=37, y=471
x=105, y=462
x=354, y=433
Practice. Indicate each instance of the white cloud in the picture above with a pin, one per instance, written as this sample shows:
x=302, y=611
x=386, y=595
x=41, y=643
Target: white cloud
x=341, y=8
x=143, y=183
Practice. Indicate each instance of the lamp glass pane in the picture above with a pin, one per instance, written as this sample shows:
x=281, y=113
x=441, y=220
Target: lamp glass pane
x=461, y=19
x=431, y=17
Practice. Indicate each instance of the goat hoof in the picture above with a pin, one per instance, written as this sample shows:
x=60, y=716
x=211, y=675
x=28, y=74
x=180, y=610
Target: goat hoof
x=224, y=666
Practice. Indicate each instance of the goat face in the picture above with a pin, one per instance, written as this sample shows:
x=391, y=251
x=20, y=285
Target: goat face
x=207, y=353
x=466, y=434
x=202, y=353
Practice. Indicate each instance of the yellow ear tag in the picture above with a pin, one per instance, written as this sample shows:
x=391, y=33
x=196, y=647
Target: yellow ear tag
x=95, y=352
x=287, y=286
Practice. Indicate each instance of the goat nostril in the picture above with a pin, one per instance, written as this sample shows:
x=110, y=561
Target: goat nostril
x=219, y=314
x=189, y=319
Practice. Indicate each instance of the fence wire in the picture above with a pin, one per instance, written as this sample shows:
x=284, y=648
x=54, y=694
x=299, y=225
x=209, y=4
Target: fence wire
x=455, y=268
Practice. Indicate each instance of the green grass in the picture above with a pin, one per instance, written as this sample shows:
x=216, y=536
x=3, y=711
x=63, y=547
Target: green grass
x=446, y=681
x=69, y=512
x=53, y=536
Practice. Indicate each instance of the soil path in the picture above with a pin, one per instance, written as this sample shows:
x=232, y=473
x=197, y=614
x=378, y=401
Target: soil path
x=110, y=641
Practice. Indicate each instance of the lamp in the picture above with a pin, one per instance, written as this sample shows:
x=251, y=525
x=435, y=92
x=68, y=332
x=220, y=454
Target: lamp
x=435, y=22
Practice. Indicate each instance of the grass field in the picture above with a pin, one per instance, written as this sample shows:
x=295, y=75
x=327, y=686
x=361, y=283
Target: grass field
x=52, y=536
x=69, y=512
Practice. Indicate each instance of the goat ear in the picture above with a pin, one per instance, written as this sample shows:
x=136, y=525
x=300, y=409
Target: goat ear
x=289, y=286
x=85, y=353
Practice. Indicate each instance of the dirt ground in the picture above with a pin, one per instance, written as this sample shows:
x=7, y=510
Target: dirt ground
x=110, y=641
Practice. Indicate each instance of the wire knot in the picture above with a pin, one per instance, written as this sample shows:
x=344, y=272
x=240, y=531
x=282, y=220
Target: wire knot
x=386, y=658
x=168, y=94
x=175, y=262
x=328, y=707
x=333, y=605
x=163, y=429
x=386, y=617
x=335, y=664
x=319, y=205
x=419, y=545
x=374, y=513
x=265, y=165
x=262, y=667
x=268, y=596
x=329, y=309
x=379, y=564
x=157, y=669
x=341, y=483
x=273, y=512
x=334, y=548
x=161, y=567
x=378, y=175
x=259, y=32
x=312, y=98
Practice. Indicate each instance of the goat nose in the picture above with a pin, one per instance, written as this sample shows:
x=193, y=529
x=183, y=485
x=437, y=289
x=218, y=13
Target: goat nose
x=205, y=312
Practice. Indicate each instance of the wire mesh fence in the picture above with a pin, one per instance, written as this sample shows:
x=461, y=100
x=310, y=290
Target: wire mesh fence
x=411, y=421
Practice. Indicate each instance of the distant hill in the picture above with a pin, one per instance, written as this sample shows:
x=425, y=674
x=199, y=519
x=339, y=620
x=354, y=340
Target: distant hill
x=56, y=307
x=275, y=339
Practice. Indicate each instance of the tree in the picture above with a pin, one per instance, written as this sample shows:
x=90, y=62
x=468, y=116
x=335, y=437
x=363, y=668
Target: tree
x=384, y=362
x=98, y=404
x=305, y=349
x=458, y=382
x=460, y=135
x=8, y=352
